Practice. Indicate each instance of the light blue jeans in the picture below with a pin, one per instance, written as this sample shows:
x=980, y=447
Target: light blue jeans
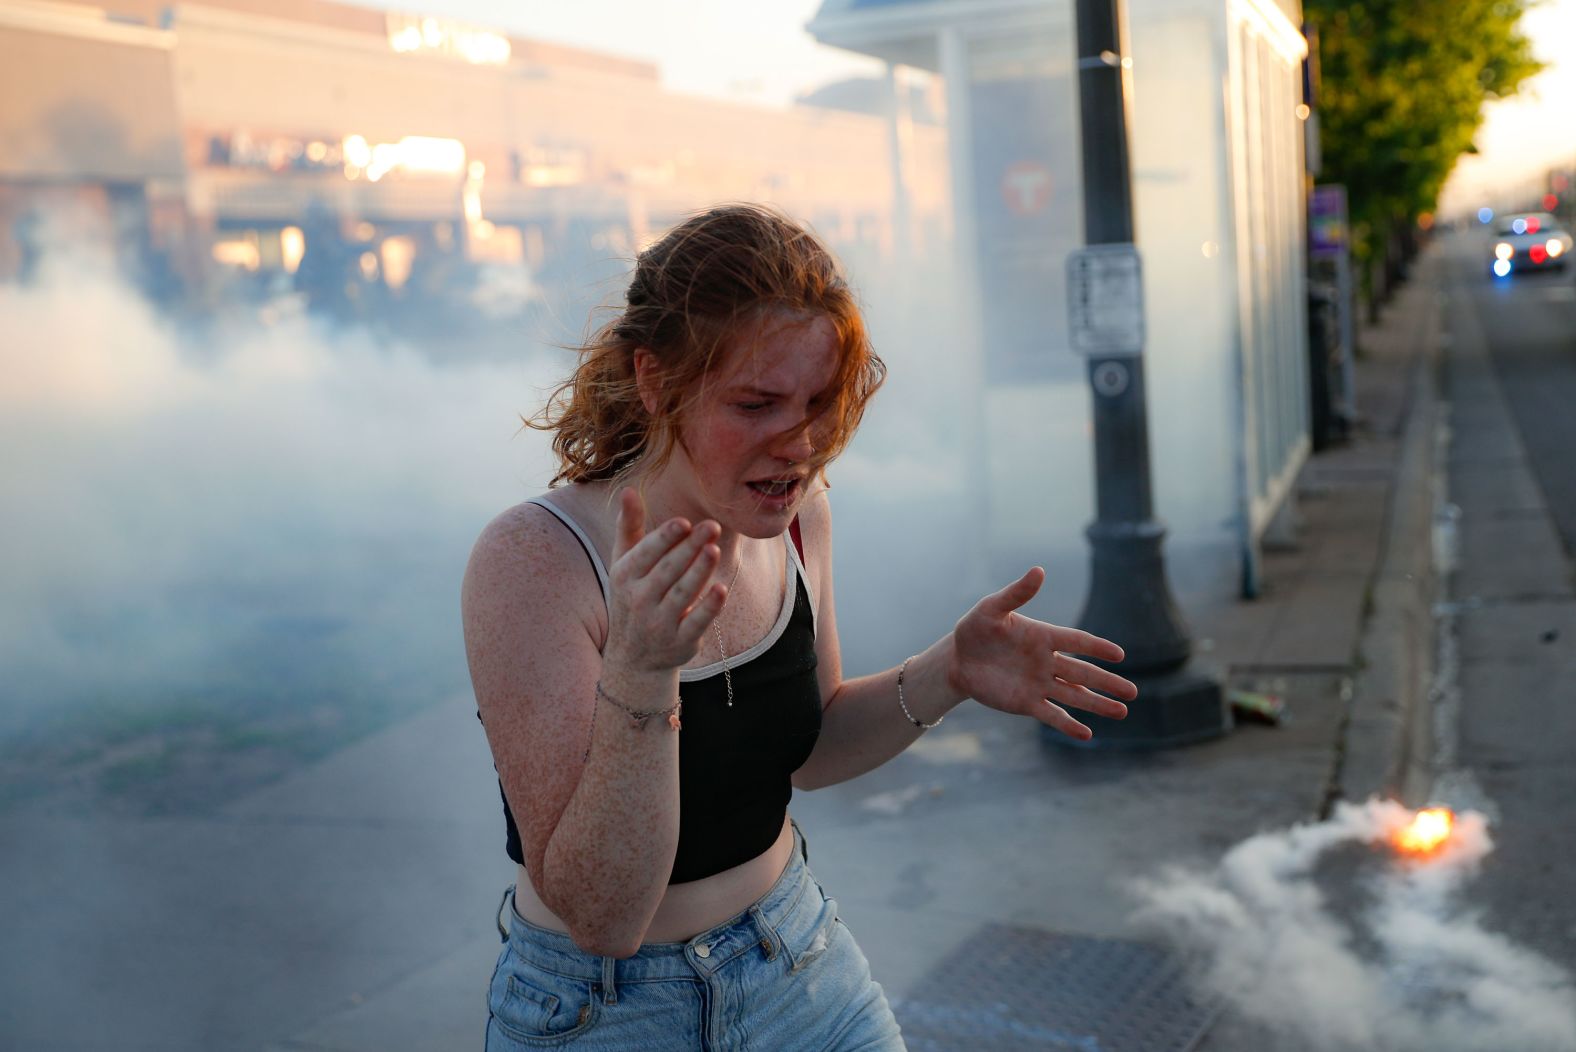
x=783, y=976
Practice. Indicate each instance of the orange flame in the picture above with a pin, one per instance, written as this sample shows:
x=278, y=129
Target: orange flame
x=1428, y=830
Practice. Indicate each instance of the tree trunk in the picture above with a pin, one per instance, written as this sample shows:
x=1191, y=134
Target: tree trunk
x=1394, y=264
x=1375, y=287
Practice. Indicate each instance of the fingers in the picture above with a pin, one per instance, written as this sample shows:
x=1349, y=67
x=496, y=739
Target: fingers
x=703, y=613
x=662, y=581
x=1077, y=641
x=1017, y=593
x=1057, y=718
x=1081, y=697
x=1074, y=640
x=636, y=563
x=1072, y=670
x=657, y=559
x=1053, y=715
x=683, y=592
x=668, y=567
x=631, y=521
x=1051, y=707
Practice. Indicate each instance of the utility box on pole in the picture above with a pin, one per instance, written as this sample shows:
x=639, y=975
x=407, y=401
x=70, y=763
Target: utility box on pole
x=1218, y=186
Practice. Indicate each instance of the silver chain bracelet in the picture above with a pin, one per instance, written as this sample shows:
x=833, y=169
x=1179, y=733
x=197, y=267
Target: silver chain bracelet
x=637, y=718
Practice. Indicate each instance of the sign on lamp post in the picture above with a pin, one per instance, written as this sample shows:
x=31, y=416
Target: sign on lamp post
x=1129, y=597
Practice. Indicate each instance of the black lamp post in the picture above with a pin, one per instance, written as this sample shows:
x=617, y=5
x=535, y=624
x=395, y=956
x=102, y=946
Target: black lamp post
x=1129, y=598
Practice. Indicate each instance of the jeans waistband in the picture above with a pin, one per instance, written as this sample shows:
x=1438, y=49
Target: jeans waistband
x=764, y=927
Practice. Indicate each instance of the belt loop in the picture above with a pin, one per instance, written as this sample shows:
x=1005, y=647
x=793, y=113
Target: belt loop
x=770, y=941
x=609, y=987
x=503, y=932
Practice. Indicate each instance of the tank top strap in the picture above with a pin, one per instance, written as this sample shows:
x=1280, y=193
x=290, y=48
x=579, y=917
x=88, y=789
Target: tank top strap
x=798, y=565
x=580, y=535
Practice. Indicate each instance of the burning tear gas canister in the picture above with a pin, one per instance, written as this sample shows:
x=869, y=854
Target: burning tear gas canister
x=1426, y=833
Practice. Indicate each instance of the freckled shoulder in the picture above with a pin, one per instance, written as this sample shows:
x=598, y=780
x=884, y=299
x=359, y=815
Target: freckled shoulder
x=595, y=507
x=527, y=566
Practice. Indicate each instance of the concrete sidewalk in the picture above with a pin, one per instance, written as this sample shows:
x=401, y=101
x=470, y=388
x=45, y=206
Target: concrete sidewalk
x=381, y=867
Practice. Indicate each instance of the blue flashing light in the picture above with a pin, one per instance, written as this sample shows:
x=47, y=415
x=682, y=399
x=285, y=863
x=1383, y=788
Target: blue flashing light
x=1485, y=215
x=1501, y=267
x=1519, y=226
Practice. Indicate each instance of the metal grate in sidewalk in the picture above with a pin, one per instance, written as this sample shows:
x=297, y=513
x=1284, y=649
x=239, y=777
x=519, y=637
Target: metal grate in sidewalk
x=1010, y=988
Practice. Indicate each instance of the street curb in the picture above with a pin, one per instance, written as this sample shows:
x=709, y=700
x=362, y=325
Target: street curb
x=1386, y=741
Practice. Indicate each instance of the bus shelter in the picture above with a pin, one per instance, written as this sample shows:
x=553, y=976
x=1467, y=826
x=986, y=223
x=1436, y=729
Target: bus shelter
x=1219, y=174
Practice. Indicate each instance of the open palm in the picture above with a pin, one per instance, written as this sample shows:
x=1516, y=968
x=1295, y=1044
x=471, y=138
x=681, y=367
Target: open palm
x=1016, y=664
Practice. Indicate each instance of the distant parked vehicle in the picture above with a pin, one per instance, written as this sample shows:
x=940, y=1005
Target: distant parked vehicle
x=1530, y=241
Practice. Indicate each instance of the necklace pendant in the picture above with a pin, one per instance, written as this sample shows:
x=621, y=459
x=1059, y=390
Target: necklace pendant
x=673, y=721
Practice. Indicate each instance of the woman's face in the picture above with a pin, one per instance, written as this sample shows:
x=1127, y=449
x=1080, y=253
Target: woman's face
x=744, y=447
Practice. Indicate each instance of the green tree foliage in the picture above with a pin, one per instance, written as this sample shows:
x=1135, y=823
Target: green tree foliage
x=1401, y=96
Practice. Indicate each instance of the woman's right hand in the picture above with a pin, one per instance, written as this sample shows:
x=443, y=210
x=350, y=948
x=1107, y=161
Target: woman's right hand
x=662, y=594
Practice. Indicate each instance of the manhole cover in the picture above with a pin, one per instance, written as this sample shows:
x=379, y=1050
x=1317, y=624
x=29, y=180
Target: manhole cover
x=1021, y=988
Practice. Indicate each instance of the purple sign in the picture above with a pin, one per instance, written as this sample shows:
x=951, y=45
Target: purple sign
x=1328, y=235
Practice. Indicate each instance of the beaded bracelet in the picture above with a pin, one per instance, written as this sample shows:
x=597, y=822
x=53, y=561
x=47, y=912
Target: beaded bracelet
x=922, y=726
x=637, y=718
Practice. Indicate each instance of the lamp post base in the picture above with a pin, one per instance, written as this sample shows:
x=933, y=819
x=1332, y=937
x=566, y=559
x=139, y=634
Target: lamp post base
x=1175, y=708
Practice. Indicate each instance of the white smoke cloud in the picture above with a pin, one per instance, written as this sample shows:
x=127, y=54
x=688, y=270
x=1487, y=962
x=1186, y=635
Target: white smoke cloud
x=1414, y=970
x=170, y=497
x=278, y=506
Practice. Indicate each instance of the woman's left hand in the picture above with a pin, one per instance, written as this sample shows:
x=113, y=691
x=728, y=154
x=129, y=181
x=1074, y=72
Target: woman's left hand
x=1017, y=664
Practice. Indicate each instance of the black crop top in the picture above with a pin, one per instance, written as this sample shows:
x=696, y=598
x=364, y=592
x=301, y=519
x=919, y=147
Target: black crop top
x=735, y=763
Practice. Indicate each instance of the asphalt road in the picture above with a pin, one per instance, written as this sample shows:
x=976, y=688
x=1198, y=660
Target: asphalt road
x=1529, y=329
x=1510, y=379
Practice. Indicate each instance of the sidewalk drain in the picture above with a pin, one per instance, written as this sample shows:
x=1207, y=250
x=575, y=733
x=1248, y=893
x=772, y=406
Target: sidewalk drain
x=1009, y=988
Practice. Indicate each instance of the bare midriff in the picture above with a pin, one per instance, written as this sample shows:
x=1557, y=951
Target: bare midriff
x=690, y=908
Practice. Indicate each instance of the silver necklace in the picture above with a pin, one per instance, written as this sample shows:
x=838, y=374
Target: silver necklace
x=727, y=675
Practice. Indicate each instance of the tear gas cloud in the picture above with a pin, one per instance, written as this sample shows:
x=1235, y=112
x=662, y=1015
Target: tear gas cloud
x=255, y=509
x=1413, y=968
x=278, y=513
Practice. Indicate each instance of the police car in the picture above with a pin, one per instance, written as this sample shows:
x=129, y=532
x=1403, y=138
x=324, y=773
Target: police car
x=1530, y=241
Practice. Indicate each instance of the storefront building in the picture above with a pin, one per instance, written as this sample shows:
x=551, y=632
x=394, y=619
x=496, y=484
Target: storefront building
x=364, y=157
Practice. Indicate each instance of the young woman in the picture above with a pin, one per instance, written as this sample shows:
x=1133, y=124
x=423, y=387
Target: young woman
x=653, y=645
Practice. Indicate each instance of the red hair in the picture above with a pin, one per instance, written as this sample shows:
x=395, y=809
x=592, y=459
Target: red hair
x=693, y=296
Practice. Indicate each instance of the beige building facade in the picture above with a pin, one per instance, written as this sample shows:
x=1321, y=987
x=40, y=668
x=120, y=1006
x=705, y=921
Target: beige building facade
x=237, y=137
